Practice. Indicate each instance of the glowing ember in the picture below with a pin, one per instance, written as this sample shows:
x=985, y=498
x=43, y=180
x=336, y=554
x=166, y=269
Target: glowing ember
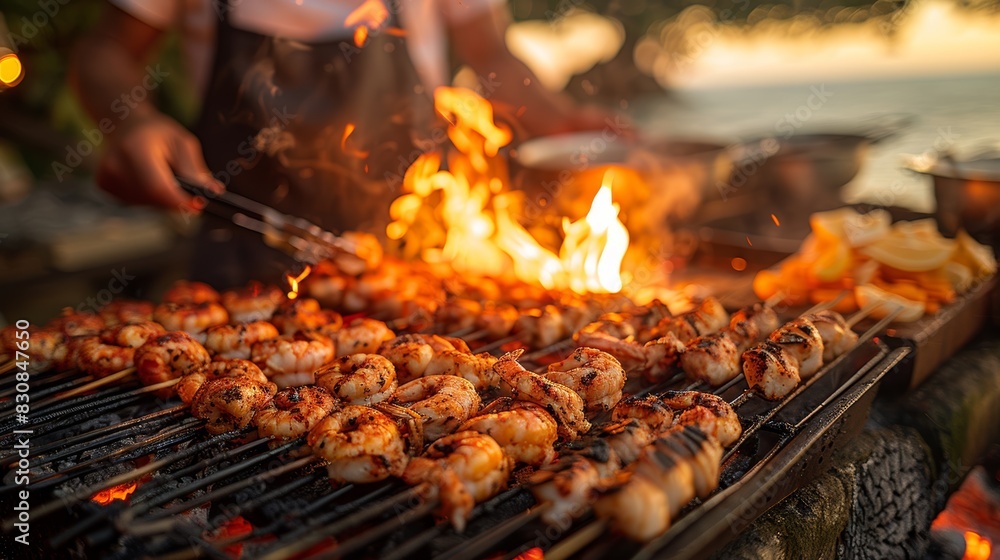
x=478, y=218
x=293, y=281
x=368, y=16
x=775, y=220
x=232, y=530
x=531, y=554
x=976, y=547
x=120, y=492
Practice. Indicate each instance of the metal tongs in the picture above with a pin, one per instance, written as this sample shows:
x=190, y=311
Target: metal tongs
x=305, y=241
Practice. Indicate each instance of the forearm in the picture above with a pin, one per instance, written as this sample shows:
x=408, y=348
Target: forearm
x=109, y=64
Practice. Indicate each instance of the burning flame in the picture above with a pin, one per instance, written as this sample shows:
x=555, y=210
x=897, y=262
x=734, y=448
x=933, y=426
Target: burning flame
x=120, y=492
x=293, y=281
x=977, y=547
x=353, y=152
x=11, y=70
x=478, y=215
x=594, y=247
x=369, y=15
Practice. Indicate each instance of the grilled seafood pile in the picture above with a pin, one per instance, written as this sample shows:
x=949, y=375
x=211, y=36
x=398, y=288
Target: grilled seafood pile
x=426, y=408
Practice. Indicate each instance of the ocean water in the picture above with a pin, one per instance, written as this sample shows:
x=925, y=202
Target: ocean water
x=958, y=113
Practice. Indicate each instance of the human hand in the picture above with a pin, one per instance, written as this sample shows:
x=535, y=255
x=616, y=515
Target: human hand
x=145, y=154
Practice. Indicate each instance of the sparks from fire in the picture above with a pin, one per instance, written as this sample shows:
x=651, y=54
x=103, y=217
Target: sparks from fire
x=366, y=17
x=479, y=215
x=293, y=281
x=776, y=221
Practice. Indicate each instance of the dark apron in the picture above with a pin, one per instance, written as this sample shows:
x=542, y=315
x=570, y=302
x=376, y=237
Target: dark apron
x=272, y=129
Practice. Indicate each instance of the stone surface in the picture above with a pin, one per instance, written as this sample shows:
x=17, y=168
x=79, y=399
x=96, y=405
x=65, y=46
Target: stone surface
x=883, y=490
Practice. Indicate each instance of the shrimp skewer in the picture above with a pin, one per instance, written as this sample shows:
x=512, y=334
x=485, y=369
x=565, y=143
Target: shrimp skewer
x=564, y=404
x=464, y=468
x=525, y=430
x=360, y=443
x=443, y=402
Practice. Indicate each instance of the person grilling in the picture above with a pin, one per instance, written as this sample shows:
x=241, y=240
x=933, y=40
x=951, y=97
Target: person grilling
x=312, y=107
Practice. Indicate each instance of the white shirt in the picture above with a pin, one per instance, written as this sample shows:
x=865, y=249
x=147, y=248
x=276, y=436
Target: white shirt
x=424, y=22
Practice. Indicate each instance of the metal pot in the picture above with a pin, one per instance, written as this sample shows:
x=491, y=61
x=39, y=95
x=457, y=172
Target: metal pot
x=967, y=194
x=663, y=177
x=805, y=171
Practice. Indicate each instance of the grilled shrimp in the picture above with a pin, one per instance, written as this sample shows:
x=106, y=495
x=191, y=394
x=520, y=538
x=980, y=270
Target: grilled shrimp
x=190, y=292
x=360, y=443
x=541, y=327
x=192, y=318
x=114, y=350
x=595, y=375
x=74, y=323
x=304, y=314
x=712, y=358
x=465, y=468
x=359, y=378
x=417, y=355
x=564, y=404
x=235, y=341
x=661, y=355
x=168, y=357
x=443, y=402
x=568, y=485
x=616, y=337
x=457, y=314
x=253, y=302
x=712, y=414
x=752, y=323
x=124, y=311
x=361, y=336
x=525, y=431
x=648, y=410
x=132, y=335
x=189, y=384
x=497, y=319
x=800, y=338
x=229, y=403
x=837, y=335
x=709, y=317
x=292, y=360
x=101, y=360
x=770, y=370
x=48, y=349
x=294, y=411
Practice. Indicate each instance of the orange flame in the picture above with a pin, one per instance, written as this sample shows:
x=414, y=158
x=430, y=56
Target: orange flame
x=371, y=14
x=481, y=233
x=120, y=492
x=353, y=152
x=293, y=281
x=977, y=547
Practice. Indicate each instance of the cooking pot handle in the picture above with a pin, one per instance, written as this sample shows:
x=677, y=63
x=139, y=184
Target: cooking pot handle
x=887, y=125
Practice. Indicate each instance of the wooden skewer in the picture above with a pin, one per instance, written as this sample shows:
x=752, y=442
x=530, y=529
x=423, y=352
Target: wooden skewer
x=95, y=384
x=866, y=311
x=4, y=369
